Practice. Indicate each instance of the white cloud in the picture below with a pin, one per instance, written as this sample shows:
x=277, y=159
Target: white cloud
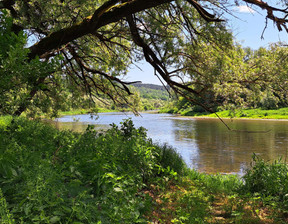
x=244, y=9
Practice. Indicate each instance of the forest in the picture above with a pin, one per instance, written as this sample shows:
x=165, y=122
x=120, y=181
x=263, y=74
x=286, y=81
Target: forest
x=67, y=55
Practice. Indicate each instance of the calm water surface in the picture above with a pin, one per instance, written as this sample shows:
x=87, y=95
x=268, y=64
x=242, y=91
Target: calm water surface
x=205, y=144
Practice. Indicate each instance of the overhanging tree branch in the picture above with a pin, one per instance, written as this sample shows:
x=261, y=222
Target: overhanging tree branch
x=115, y=11
x=153, y=60
x=111, y=12
x=90, y=24
x=280, y=22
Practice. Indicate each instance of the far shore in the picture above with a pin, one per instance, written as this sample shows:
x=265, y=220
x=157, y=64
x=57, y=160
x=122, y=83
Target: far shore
x=248, y=114
x=229, y=118
x=280, y=114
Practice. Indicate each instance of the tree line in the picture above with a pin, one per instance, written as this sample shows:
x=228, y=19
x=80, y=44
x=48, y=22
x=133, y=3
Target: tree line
x=87, y=48
x=238, y=78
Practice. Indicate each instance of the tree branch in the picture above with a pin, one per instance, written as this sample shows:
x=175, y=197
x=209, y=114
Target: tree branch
x=90, y=24
x=280, y=22
x=204, y=14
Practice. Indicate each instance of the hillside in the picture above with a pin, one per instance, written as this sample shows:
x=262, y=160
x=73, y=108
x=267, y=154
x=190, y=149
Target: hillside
x=152, y=91
x=151, y=86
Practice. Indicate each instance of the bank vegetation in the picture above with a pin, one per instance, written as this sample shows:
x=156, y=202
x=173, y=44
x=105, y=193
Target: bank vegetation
x=121, y=176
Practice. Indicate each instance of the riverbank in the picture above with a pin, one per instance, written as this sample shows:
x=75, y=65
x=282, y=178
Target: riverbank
x=52, y=176
x=281, y=113
x=83, y=111
x=100, y=110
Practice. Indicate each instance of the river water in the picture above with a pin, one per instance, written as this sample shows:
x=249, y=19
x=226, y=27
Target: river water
x=205, y=144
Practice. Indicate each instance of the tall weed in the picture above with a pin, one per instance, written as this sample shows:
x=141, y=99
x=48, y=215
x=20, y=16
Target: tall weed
x=51, y=176
x=216, y=183
x=268, y=181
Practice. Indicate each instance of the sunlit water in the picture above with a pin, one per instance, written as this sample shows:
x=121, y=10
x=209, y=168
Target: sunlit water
x=205, y=144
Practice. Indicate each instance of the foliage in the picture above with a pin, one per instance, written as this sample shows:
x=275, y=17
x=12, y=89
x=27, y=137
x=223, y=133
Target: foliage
x=120, y=176
x=18, y=75
x=5, y=120
x=48, y=176
x=202, y=198
x=237, y=78
x=281, y=113
x=81, y=50
x=91, y=66
x=36, y=85
x=268, y=181
x=39, y=86
x=216, y=183
x=150, y=91
x=152, y=97
x=5, y=215
x=144, y=97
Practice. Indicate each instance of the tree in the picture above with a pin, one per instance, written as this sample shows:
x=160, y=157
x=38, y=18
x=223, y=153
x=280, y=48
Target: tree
x=17, y=74
x=93, y=42
x=236, y=78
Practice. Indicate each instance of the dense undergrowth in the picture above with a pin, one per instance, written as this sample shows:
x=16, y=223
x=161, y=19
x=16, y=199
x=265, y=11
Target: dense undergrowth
x=120, y=176
x=51, y=176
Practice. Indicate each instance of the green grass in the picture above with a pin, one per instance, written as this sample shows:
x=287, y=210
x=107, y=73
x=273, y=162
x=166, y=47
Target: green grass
x=84, y=111
x=281, y=113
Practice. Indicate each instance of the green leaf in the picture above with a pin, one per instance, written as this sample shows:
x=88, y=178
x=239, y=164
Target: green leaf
x=55, y=219
x=118, y=189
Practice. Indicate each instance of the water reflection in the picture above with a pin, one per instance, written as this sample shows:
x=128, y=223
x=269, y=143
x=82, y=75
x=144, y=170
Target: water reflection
x=205, y=144
x=221, y=150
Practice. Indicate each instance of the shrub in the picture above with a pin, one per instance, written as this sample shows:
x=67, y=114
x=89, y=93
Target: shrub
x=270, y=182
x=51, y=176
x=268, y=179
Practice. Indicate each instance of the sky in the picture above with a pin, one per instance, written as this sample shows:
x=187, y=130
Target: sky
x=249, y=26
x=247, y=29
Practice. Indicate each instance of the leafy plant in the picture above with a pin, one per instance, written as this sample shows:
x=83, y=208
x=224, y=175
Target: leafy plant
x=269, y=182
x=51, y=176
x=267, y=178
x=5, y=215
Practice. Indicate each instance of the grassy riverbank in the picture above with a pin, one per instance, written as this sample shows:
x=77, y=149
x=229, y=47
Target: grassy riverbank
x=121, y=176
x=101, y=110
x=84, y=111
x=281, y=113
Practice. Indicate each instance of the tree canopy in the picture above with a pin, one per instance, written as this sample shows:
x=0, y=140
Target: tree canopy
x=87, y=46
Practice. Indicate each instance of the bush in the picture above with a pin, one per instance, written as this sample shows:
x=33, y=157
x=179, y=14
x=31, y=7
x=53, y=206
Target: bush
x=269, y=181
x=51, y=176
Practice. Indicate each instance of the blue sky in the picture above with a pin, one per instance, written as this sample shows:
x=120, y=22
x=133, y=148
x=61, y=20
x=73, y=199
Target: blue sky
x=249, y=26
x=247, y=30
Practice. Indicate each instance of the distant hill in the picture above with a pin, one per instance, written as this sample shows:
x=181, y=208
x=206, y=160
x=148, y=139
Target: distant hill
x=151, y=86
x=152, y=91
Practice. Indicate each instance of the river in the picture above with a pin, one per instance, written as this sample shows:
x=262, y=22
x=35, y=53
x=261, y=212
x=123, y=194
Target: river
x=205, y=144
